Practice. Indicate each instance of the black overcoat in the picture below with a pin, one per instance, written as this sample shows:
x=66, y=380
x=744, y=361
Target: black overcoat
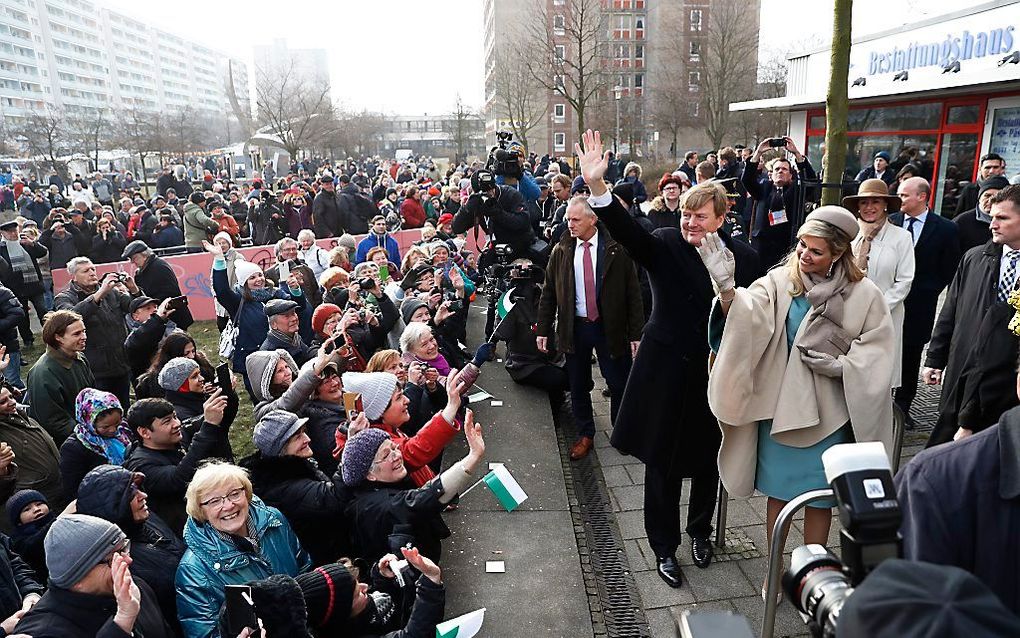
x=664, y=418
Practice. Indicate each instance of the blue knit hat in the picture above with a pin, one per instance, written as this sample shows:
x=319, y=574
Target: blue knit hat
x=359, y=453
x=19, y=501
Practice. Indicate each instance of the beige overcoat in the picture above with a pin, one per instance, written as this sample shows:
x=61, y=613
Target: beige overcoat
x=754, y=379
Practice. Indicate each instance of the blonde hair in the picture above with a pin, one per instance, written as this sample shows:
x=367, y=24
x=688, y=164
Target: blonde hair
x=210, y=476
x=700, y=194
x=405, y=263
x=838, y=243
x=334, y=276
x=381, y=360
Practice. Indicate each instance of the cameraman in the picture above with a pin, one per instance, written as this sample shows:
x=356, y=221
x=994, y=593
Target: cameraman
x=500, y=211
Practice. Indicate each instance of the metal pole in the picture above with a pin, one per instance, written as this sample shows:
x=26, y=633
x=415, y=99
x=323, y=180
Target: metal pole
x=720, y=517
x=768, y=623
x=616, y=140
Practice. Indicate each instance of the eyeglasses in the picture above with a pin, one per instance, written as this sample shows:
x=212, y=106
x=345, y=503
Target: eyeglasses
x=234, y=496
x=124, y=549
x=393, y=455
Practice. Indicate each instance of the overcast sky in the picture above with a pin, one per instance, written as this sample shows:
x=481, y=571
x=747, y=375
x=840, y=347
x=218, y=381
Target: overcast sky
x=376, y=47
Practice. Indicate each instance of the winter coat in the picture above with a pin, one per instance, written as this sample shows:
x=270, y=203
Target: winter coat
x=169, y=236
x=197, y=225
x=356, y=211
x=680, y=433
x=505, y=219
x=17, y=579
x=157, y=280
x=324, y=418
x=62, y=249
x=168, y=472
x=377, y=509
x=969, y=298
x=412, y=212
x=104, y=323
x=773, y=241
x=418, y=450
x=961, y=506
x=53, y=384
x=310, y=284
x=36, y=456
x=661, y=216
x=155, y=549
x=11, y=315
x=108, y=250
x=371, y=241
x=312, y=502
x=300, y=352
x=292, y=398
x=326, y=215
x=973, y=231
x=210, y=563
x=269, y=224
x=755, y=377
x=62, y=613
x=253, y=324
x=618, y=295
x=142, y=342
x=76, y=461
x=891, y=267
x=15, y=280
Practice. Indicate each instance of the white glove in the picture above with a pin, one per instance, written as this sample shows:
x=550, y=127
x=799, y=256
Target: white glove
x=822, y=363
x=718, y=261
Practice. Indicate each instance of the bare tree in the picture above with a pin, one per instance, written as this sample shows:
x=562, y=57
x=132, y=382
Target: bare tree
x=461, y=129
x=43, y=134
x=729, y=71
x=752, y=126
x=565, y=52
x=296, y=109
x=88, y=131
x=139, y=132
x=359, y=133
x=183, y=134
x=518, y=99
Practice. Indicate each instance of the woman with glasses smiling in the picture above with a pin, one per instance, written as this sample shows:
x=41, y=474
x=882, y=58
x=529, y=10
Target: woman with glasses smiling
x=232, y=538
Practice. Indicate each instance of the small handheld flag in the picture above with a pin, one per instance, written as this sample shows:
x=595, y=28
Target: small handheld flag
x=504, y=305
x=464, y=626
x=505, y=488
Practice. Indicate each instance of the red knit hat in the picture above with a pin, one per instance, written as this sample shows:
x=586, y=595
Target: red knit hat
x=321, y=315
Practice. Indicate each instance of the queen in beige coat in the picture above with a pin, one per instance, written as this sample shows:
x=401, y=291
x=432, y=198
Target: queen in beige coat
x=804, y=362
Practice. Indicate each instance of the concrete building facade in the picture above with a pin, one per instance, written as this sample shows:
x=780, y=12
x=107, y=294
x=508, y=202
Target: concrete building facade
x=309, y=65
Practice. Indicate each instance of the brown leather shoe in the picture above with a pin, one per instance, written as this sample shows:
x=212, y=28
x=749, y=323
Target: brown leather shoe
x=581, y=448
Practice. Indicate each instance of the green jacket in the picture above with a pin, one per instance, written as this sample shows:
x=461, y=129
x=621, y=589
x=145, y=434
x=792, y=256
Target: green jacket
x=197, y=225
x=36, y=456
x=53, y=384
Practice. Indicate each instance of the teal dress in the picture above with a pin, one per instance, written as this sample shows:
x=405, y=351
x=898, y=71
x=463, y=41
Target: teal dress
x=783, y=471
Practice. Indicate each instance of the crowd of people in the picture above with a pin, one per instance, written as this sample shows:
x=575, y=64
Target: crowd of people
x=129, y=511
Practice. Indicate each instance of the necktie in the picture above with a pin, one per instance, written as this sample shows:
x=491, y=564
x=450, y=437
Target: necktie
x=590, y=302
x=910, y=228
x=1009, y=277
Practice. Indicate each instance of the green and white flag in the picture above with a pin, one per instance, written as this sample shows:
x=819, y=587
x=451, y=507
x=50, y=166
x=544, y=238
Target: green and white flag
x=504, y=305
x=505, y=488
x=464, y=626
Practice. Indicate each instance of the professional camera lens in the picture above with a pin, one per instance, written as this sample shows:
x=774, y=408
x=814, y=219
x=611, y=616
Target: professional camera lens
x=817, y=586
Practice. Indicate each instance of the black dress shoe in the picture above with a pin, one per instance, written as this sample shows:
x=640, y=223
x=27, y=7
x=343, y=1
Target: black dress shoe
x=701, y=552
x=669, y=571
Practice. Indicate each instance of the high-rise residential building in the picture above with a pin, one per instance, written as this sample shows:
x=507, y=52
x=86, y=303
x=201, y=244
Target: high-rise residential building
x=647, y=45
x=77, y=54
x=278, y=60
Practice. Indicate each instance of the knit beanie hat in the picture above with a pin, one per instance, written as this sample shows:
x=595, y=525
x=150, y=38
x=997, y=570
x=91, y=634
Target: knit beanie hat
x=328, y=592
x=376, y=390
x=410, y=305
x=19, y=501
x=75, y=544
x=243, y=270
x=322, y=314
x=279, y=605
x=347, y=241
x=998, y=182
x=260, y=366
x=359, y=453
x=175, y=373
x=272, y=432
x=225, y=235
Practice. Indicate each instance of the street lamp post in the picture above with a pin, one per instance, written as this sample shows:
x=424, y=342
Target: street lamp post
x=618, y=92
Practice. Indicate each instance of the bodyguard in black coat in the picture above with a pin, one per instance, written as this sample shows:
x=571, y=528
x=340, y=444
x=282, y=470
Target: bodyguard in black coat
x=157, y=280
x=664, y=418
x=936, y=255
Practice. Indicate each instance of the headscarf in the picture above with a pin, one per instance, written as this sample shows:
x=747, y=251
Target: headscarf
x=88, y=407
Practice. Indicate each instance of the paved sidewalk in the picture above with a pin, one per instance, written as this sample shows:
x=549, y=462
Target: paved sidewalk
x=733, y=581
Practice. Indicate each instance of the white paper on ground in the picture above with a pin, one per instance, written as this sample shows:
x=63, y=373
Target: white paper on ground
x=496, y=404
x=495, y=567
x=479, y=396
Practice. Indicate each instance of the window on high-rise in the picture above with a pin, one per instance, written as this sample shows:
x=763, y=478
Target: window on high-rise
x=695, y=19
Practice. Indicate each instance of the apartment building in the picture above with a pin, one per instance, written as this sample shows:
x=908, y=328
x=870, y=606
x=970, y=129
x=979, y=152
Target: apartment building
x=77, y=54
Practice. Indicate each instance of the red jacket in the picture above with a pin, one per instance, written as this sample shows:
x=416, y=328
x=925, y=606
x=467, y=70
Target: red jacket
x=417, y=450
x=413, y=213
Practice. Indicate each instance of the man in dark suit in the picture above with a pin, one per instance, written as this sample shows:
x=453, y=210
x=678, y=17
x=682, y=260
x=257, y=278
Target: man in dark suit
x=985, y=278
x=592, y=291
x=775, y=201
x=936, y=255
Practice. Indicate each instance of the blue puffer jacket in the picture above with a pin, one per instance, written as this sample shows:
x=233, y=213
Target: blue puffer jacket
x=253, y=324
x=211, y=563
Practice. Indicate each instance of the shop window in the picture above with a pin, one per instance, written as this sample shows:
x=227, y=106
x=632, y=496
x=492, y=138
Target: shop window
x=956, y=166
x=817, y=122
x=966, y=114
x=913, y=117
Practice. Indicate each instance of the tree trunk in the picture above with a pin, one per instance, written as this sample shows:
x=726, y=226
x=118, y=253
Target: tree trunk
x=837, y=103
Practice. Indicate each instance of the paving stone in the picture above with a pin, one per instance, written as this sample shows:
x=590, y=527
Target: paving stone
x=718, y=581
x=637, y=472
x=740, y=512
x=655, y=593
x=631, y=524
x=661, y=623
x=636, y=557
x=788, y=623
x=616, y=475
x=629, y=497
x=610, y=456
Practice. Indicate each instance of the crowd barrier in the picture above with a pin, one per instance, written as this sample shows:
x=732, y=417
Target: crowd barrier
x=194, y=270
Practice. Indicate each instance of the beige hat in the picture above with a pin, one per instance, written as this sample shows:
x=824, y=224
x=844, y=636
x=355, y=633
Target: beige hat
x=838, y=216
x=872, y=188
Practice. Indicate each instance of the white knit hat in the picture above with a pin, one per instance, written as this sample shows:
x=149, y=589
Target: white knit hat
x=244, y=269
x=376, y=390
